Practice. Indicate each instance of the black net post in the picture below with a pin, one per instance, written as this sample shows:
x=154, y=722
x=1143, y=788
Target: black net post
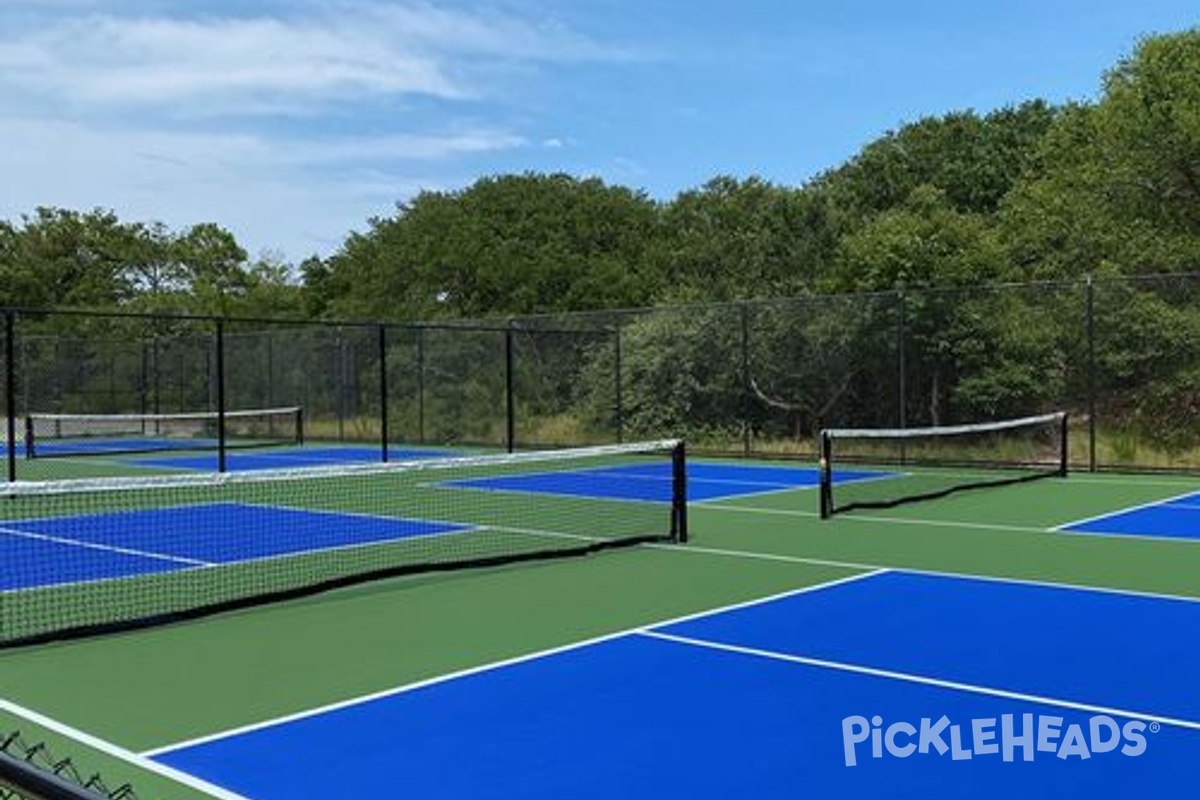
x=383, y=392
x=10, y=394
x=1063, y=441
x=826, y=475
x=220, y=385
x=679, y=521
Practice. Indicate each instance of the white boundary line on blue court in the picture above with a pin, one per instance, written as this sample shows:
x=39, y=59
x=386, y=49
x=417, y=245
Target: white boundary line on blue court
x=1127, y=510
x=648, y=630
x=981, y=526
x=495, y=665
x=106, y=548
x=908, y=677
x=825, y=562
x=117, y=752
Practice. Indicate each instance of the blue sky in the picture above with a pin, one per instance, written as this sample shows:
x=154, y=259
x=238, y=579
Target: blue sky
x=293, y=122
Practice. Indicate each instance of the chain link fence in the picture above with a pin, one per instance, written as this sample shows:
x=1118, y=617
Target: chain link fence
x=760, y=378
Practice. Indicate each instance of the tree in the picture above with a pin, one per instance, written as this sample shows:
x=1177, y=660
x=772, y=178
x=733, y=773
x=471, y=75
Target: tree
x=506, y=245
x=974, y=161
x=962, y=358
x=58, y=257
x=734, y=239
x=1119, y=181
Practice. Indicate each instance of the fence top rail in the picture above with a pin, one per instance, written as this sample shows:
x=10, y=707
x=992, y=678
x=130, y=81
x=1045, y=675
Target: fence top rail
x=518, y=322
x=448, y=325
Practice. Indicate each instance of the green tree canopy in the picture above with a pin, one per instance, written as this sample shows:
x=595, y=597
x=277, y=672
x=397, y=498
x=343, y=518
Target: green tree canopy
x=1119, y=184
x=506, y=245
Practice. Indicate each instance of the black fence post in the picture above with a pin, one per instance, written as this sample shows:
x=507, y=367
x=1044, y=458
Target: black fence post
x=509, y=405
x=902, y=359
x=383, y=392
x=1091, y=372
x=10, y=393
x=902, y=369
x=270, y=369
x=618, y=400
x=745, y=319
x=342, y=384
x=220, y=382
x=421, y=385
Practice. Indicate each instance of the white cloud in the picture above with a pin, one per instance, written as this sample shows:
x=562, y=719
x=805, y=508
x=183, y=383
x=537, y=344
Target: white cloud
x=340, y=50
x=104, y=61
x=297, y=197
x=289, y=123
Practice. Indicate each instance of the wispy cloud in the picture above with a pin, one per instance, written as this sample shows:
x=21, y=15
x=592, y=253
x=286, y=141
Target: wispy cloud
x=256, y=185
x=229, y=112
x=332, y=50
x=101, y=61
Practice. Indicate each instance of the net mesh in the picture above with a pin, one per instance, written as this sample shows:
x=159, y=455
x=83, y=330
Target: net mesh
x=882, y=468
x=92, y=555
x=63, y=435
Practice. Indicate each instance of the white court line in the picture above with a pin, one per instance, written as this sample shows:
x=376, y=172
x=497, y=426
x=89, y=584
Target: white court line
x=118, y=752
x=825, y=562
x=648, y=630
x=920, y=679
x=108, y=548
x=1060, y=530
x=495, y=665
x=1126, y=510
x=1140, y=506
x=788, y=512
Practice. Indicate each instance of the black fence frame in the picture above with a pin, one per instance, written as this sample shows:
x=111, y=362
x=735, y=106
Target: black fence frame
x=375, y=367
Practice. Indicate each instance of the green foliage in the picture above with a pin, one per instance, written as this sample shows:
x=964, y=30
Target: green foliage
x=1010, y=352
x=741, y=239
x=1119, y=182
x=974, y=161
x=61, y=258
x=506, y=245
x=1147, y=352
x=922, y=242
x=920, y=220
x=679, y=373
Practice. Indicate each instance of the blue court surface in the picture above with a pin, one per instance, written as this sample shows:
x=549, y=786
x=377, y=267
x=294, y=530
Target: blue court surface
x=54, y=551
x=1176, y=518
x=243, y=460
x=886, y=685
x=652, y=481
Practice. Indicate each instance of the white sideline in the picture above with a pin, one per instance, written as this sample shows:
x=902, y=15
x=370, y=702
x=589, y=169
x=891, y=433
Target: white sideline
x=920, y=679
x=495, y=665
x=118, y=752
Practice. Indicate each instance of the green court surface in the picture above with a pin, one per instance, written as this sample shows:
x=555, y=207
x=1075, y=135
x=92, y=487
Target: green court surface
x=142, y=691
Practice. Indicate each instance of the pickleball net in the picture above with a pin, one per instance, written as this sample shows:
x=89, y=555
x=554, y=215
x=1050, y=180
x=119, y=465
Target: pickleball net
x=70, y=435
x=894, y=466
x=92, y=556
